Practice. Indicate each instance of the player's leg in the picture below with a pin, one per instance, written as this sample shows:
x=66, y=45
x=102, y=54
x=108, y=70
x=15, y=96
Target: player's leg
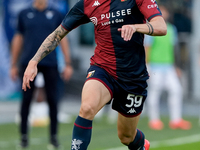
x=94, y=96
x=24, y=111
x=129, y=134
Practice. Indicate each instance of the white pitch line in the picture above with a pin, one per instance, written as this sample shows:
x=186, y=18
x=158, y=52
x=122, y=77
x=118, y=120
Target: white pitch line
x=171, y=142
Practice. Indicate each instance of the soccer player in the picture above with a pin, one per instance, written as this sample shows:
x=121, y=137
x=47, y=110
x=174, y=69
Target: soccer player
x=117, y=69
x=35, y=23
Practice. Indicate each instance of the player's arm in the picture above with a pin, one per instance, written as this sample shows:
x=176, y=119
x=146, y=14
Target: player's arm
x=155, y=27
x=16, y=47
x=49, y=44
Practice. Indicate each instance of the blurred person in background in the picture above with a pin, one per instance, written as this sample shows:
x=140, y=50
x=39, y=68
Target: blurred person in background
x=34, y=24
x=118, y=69
x=39, y=111
x=164, y=74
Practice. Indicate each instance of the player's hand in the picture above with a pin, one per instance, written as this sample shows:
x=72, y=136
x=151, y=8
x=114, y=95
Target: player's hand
x=67, y=73
x=127, y=32
x=29, y=74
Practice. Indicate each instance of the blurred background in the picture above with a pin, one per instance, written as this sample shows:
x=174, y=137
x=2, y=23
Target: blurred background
x=184, y=14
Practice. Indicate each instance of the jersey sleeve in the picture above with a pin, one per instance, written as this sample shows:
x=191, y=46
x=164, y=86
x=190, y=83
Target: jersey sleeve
x=75, y=17
x=149, y=8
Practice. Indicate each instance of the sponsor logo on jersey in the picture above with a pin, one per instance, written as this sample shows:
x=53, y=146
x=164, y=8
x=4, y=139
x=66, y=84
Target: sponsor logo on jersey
x=94, y=20
x=118, y=13
x=112, y=17
x=154, y=5
x=96, y=3
x=76, y=144
x=131, y=111
x=90, y=74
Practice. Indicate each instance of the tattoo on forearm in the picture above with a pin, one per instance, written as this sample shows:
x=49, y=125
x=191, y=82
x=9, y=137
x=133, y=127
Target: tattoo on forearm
x=50, y=43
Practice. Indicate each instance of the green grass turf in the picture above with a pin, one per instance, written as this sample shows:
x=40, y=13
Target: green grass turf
x=192, y=146
x=104, y=136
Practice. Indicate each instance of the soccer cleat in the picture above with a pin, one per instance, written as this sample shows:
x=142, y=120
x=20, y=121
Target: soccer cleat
x=146, y=144
x=182, y=124
x=156, y=125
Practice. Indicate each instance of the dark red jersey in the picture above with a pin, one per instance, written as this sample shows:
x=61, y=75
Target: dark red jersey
x=124, y=60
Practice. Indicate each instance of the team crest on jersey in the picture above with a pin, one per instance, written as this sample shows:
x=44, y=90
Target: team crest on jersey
x=90, y=74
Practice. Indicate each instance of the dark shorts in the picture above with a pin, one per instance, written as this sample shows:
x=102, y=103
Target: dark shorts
x=128, y=98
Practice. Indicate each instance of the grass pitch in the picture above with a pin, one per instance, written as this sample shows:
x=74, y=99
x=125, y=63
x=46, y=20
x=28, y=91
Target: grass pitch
x=104, y=136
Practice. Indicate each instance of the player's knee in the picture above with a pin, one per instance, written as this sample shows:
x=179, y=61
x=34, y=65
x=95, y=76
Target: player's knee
x=87, y=111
